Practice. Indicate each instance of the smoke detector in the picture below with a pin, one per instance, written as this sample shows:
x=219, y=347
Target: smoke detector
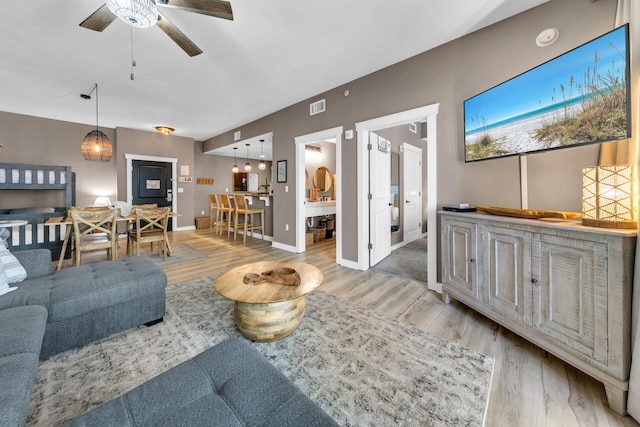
x=547, y=37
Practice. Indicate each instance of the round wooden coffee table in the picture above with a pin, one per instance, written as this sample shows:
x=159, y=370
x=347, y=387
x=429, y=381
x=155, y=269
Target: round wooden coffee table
x=265, y=311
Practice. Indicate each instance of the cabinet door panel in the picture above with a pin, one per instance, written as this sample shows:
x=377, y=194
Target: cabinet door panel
x=507, y=262
x=570, y=299
x=459, y=256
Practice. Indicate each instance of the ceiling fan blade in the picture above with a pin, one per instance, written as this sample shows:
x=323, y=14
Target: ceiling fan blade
x=178, y=36
x=217, y=8
x=99, y=20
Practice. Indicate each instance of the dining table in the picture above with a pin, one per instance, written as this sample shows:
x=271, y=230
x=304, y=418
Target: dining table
x=67, y=221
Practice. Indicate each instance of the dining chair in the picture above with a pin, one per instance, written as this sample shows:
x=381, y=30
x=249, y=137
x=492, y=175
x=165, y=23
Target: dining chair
x=216, y=211
x=94, y=229
x=132, y=224
x=150, y=226
x=248, y=223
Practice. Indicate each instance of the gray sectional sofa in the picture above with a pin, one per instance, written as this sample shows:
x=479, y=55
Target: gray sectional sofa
x=52, y=312
x=230, y=384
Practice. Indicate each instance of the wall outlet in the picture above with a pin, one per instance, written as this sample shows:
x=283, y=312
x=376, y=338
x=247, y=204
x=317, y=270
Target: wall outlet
x=286, y=227
x=201, y=212
x=286, y=188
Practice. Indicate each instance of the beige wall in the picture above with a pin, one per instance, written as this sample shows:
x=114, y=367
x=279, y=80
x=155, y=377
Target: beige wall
x=41, y=141
x=447, y=75
x=36, y=140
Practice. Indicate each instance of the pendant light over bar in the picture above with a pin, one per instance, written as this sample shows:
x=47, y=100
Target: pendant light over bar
x=262, y=165
x=235, y=168
x=247, y=166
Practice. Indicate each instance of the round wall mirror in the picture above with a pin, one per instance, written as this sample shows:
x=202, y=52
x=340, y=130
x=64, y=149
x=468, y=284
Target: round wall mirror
x=322, y=179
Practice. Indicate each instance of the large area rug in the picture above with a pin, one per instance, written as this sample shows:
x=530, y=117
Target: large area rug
x=362, y=368
x=408, y=261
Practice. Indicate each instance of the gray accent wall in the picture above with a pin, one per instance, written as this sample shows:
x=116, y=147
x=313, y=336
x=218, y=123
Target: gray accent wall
x=447, y=75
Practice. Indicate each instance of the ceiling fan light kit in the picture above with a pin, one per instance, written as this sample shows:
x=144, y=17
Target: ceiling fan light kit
x=137, y=13
x=144, y=13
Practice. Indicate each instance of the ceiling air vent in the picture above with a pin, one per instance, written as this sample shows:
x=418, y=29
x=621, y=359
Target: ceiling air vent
x=317, y=107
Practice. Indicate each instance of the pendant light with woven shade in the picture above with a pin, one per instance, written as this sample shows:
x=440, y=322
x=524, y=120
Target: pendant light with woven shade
x=96, y=145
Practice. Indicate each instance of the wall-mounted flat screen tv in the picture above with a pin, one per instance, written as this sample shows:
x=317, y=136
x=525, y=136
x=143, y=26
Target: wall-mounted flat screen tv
x=577, y=98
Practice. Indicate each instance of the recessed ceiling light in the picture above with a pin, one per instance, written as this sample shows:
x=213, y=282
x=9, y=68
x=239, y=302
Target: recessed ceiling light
x=547, y=37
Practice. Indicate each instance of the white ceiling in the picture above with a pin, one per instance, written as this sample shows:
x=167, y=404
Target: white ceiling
x=273, y=54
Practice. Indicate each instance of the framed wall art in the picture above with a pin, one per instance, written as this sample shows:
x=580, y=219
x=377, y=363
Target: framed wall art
x=282, y=171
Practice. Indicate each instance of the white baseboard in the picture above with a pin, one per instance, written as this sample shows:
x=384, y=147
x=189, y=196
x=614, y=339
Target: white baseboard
x=256, y=236
x=284, y=247
x=349, y=264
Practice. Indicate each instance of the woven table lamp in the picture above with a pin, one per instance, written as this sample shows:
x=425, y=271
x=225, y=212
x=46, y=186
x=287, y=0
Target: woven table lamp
x=609, y=196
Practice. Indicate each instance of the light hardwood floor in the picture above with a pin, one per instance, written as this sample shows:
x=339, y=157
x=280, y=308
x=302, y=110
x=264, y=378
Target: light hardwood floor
x=529, y=388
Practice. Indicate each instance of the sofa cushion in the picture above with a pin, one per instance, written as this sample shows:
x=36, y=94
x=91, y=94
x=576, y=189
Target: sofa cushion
x=14, y=270
x=22, y=329
x=37, y=262
x=71, y=292
x=20, y=340
x=230, y=384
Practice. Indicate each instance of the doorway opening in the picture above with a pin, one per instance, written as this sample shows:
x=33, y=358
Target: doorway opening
x=159, y=167
x=426, y=117
x=329, y=138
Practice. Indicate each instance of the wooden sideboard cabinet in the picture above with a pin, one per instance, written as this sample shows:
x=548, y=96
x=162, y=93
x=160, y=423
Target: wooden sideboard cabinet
x=564, y=287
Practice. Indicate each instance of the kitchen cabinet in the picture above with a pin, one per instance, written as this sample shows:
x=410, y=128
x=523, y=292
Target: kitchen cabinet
x=565, y=287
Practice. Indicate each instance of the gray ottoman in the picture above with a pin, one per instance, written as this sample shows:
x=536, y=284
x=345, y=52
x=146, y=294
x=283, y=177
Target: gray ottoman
x=89, y=302
x=230, y=384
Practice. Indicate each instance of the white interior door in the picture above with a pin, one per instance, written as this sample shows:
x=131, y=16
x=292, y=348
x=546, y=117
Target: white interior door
x=412, y=221
x=379, y=188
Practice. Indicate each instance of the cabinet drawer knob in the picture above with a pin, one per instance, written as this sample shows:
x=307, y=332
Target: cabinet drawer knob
x=534, y=280
x=473, y=260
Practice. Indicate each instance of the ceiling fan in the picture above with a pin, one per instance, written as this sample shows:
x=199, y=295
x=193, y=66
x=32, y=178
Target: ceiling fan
x=143, y=13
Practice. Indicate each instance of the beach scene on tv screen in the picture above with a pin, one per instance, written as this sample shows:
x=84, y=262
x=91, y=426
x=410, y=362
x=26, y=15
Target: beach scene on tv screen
x=578, y=97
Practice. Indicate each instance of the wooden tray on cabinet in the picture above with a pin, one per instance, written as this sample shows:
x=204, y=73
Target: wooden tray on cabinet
x=527, y=213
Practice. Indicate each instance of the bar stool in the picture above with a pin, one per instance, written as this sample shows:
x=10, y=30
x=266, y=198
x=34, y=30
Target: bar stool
x=226, y=214
x=248, y=223
x=216, y=212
